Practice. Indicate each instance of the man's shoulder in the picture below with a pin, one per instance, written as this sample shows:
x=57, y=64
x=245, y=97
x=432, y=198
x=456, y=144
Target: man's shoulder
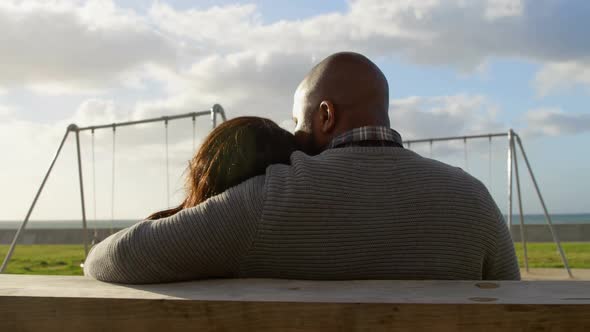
x=380, y=166
x=385, y=156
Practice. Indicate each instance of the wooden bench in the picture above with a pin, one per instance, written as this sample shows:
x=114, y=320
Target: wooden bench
x=46, y=303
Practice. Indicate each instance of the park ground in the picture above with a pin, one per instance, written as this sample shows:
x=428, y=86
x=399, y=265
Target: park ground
x=66, y=259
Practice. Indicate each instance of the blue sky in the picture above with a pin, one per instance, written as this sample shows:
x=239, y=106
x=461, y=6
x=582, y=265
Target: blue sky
x=270, y=11
x=454, y=68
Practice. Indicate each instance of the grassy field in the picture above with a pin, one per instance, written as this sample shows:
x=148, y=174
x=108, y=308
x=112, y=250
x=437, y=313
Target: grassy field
x=66, y=259
x=545, y=255
x=45, y=259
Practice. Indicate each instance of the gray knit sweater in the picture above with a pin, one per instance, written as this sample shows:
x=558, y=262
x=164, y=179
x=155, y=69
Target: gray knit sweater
x=348, y=213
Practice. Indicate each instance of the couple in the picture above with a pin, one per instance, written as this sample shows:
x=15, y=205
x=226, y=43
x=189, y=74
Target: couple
x=340, y=199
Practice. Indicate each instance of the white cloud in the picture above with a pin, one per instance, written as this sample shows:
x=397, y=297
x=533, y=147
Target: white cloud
x=419, y=117
x=244, y=83
x=27, y=148
x=95, y=111
x=562, y=75
x=426, y=117
x=457, y=32
x=6, y=112
x=136, y=140
x=463, y=34
x=61, y=47
x=503, y=8
x=230, y=22
x=72, y=47
x=554, y=122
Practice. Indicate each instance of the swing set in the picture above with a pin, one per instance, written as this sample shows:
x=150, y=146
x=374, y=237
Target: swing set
x=512, y=167
x=513, y=174
x=73, y=128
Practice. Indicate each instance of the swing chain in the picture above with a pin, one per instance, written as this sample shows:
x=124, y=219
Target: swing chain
x=194, y=132
x=167, y=163
x=465, y=153
x=113, y=181
x=95, y=231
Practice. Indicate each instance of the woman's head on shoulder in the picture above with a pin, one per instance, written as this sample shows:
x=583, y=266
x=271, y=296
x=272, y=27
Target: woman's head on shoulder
x=236, y=150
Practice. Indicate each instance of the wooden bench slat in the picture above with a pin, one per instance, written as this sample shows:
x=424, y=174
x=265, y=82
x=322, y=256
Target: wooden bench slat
x=276, y=290
x=46, y=303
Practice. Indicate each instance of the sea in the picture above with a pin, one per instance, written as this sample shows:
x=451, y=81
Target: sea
x=532, y=219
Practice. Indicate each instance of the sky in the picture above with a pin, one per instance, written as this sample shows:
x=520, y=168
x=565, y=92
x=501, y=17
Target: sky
x=454, y=67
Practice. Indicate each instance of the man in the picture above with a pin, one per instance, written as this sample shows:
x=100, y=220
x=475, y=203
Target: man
x=356, y=206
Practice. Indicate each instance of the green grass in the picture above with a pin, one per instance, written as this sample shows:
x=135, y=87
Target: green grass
x=45, y=259
x=545, y=255
x=66, y=259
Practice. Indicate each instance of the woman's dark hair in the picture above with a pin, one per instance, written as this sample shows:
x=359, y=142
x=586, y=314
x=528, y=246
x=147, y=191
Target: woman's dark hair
x=235, y=151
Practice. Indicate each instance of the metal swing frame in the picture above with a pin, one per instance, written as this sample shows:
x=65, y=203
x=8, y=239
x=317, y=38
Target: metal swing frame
x=513, y=174
x=73, y=128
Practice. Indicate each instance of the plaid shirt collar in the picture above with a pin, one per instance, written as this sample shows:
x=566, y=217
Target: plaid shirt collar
x=379, y=135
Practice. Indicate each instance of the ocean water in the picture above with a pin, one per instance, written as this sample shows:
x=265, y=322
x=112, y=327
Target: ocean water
x=578, y=218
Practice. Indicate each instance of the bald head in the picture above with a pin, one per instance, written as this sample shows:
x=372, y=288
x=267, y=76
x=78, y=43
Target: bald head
x=344, y=91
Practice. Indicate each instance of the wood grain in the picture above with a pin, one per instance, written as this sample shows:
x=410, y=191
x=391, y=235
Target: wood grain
x=42, y=303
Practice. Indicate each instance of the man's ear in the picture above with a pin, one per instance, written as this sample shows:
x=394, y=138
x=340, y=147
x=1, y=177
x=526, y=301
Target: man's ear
x=327, y=116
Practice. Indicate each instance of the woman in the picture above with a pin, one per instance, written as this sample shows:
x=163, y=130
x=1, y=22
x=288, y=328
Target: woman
x=235, y=151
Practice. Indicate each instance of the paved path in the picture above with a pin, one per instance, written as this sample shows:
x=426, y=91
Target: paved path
x=554, y=274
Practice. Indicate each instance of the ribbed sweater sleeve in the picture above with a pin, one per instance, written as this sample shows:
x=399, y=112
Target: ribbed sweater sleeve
x=500, y=263
x=206, y=241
